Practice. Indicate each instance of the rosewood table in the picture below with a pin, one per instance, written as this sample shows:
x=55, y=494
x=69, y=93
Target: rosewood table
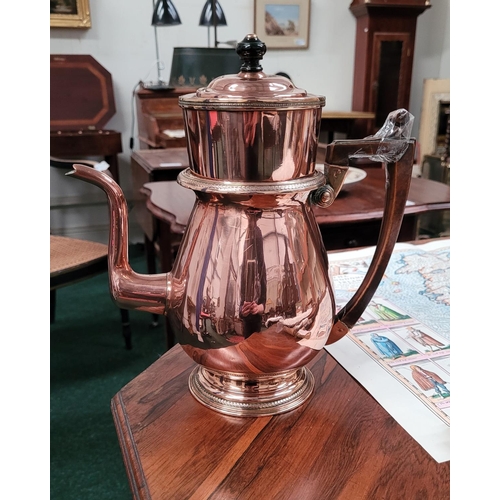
x=355, y=217
x=340, y=444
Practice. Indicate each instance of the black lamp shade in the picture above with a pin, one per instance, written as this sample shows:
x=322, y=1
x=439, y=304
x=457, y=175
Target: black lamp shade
x=207, y=15
x=165, y=14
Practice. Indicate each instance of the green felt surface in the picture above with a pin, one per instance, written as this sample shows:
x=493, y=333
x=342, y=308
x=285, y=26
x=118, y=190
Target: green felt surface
x=89, y=365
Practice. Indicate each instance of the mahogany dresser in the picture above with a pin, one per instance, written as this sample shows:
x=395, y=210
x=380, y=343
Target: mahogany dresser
x=159, y=118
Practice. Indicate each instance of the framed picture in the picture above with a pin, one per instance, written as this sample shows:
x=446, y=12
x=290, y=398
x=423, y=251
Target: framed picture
x=436, y=93
x=69, y=14
x=283, y=24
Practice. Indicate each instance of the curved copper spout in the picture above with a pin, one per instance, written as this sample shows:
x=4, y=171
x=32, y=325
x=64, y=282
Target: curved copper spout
x=129, y=289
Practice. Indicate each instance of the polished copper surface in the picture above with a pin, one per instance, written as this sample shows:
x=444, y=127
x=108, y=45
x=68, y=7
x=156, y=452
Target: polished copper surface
x=251, y=90
x=249, y=295
x=252, y=145
x=258, y=299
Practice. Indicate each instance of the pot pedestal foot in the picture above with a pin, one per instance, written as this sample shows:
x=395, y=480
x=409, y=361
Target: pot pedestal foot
x=245, y=395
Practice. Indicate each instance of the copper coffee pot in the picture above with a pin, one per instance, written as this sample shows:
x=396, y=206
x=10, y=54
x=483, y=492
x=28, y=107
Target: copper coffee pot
x=249, y=296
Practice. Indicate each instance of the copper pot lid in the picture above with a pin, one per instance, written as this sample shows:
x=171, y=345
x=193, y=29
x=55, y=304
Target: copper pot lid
x=251, y=88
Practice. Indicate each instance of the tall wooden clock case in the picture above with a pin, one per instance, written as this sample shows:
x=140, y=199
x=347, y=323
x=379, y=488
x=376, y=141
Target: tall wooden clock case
x=385, y=41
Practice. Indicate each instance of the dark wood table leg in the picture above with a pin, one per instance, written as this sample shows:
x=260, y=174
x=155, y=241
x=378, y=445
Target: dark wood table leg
x=149, y=248
x=165, y=242
x=126, y=330
x=150, y=255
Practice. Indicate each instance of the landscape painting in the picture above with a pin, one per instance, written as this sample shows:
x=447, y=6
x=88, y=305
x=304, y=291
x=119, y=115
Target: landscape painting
x=283, y=24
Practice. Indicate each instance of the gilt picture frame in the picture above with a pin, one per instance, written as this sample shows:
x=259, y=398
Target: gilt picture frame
x=70, y=14
x=283, y=24
x=435, y=91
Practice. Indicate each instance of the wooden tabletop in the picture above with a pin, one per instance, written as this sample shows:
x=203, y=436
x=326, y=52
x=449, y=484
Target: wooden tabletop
x=340, y=444
x=170, y=202
x=347, y=115
x=154, y=159
x=363, y=200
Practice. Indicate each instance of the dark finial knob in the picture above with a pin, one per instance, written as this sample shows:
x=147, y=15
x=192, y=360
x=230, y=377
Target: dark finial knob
x=251, y=50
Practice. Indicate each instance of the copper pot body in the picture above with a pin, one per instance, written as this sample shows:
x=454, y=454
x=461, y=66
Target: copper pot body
x=256, y=294
x=256, y=299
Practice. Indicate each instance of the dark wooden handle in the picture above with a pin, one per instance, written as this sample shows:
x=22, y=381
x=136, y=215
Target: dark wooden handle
x=398, y=179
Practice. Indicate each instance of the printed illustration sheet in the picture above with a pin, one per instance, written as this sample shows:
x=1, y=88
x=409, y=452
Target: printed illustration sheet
x=399, y=350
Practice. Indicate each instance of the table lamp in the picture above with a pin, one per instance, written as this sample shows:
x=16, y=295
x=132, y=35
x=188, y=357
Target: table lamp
x=164, y=14
x=212, y=15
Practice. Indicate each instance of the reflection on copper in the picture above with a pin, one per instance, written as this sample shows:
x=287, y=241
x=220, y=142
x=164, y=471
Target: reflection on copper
x=275, y=145
x=262, y=273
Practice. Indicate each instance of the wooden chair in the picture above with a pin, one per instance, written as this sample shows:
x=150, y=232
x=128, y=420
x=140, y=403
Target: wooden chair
x=73, y=260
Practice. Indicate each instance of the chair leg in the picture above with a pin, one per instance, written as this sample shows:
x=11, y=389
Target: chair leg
x=154, y=321
x=52, y=306
x=169, y=336
x=127, y=332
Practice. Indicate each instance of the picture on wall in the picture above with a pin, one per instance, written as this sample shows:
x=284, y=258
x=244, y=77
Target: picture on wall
x=69, y=14
x=283, y=24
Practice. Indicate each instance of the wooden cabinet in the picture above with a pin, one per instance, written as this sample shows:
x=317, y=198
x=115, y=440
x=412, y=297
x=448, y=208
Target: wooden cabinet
x=81, y=104
x=159, y=118
x=385, y=40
